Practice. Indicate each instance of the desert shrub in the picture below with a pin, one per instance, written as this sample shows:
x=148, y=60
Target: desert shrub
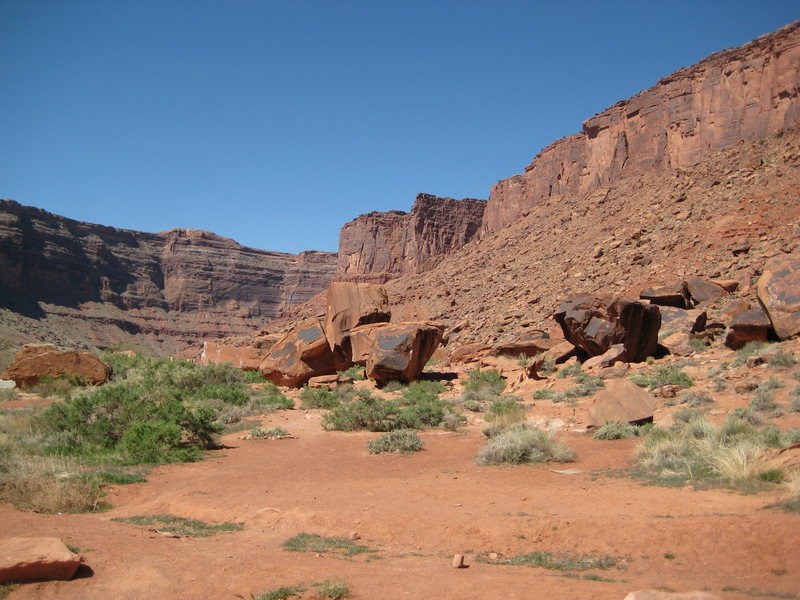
x=570, y=371
x=548, y=365
x=334, y=589
x=561, y=561
x=452, y=420
x=269, y=433
x=282, y=593
x=319, y=398
x=720, y=384
x=269, y=396
x=543, y=394
x=794, y=398
x=696, y=399
x=523, y=443
x=56, y=387
x=779, y=358
x=698, y=344
x=763, y=401
x=746, y=351
x=618, y=431
x=717, y=370
x=393, y=386
x=356, y=373
x=7, y=394
x=478, y=399
x=402, y=441
x=667, y=375
x=474, y=405
x=685, y=415
x=748, y=415
x=488, y=380
x=731, y=454
x=505, y=411
x=364, y=412
x=252, y=377
x=311, y=542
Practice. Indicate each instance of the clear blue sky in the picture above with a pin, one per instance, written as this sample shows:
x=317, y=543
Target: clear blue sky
x=274, y=123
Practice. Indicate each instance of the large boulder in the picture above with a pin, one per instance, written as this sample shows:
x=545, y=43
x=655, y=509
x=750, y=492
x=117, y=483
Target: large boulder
x=33, y=362
x=350, y=305
x=748, y=326
x=301, y=354
x=621, y=401
x=779, y=292
x=702, y=290
x=247, y=358
x=674, y=294
x=26, y=559
x=594, y=324
x=525, y=347
x=400, y=351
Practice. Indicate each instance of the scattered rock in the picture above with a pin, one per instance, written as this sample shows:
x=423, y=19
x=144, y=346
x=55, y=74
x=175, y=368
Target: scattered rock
x=779, y=292
x=702, y=290
x=621, y=401
x=678, y=344
x=33, y=362
x=614, y=354
x=471, y=352
x=679, y=319
x=26, y=559
x=675, y=294
x=748, y=326
x=400, y=351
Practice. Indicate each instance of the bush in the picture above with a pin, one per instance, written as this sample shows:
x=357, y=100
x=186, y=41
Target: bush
x=403, y=441
x=746, y=351
x=485, y=380
x=779, y=358
x=365, y=412
x=522, y=443
x=506, y=411
x=356, y=373
x=794, y=397
x=271, y=433
x=696, y=399
x=543, y=394
x=617, y=431
x=668, y=375
x=270, y=396
x=252, y=377
x=318, y=398
x=7, y=394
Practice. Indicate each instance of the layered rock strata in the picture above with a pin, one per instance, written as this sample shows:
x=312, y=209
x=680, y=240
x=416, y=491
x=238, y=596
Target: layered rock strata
x=742, y=94
x=182, y=284
x=381, y=245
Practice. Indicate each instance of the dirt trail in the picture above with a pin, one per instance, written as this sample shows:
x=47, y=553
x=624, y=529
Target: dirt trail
x=416, y=512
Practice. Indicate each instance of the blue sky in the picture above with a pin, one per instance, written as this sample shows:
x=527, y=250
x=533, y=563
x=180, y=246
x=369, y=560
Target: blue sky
x=274, y=123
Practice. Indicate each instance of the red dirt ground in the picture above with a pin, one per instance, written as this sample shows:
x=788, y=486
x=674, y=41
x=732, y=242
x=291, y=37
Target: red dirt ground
x=417, y=511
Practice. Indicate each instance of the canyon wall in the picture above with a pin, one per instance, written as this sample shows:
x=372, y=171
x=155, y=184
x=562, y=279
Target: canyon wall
x=379, y=246
x=184, y=284
x=743, y=94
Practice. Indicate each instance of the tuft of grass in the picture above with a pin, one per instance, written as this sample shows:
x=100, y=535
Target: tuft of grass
x=522, y=443
x=271, y=433
x=746, y=351
x=7, y=394
x=281, y=593
x=696, y=399
x=310, y=542
x=180, y=526
x=335, y=589
x=794, y=399
x=548, y=366
x=587, y=385
x=485, y=380
x=394, y=386
x=505, y=411
x=543, y=394
x=667, y=375
x=756, y=593
x=403, y=441
x=319, y=398
x=561, y=561
x=253, y=377
x=780, y=359
x=620, y=431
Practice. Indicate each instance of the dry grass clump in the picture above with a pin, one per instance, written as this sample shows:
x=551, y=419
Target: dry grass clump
x=732, y=454
x=523, y=443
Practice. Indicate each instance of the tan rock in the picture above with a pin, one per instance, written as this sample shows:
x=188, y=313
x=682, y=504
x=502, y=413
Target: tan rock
x=247, y=358
x=621, y=401
x=471, y=352
x=661, y=595
x=748, y=326
x=614, y=354
x=33, y=362
x=779, y=292
x=350, y=305
x=25, y=559
x=400, y=351
x=458, y=561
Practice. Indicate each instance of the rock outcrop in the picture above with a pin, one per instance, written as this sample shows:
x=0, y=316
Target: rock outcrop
x=108, y=284
x=779, y=292
x=27, y=559
x=746, y=93
x=379, y=246
x=350, y=305
x=35, y=362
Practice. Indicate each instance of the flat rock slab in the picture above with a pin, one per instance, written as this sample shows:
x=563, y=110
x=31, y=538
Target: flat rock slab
x=659, y=595
x=622, y=401
x=24, y=559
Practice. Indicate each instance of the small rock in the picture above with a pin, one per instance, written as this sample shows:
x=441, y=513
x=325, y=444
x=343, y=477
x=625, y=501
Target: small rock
x=744, y=387
x=354, y=535
x=25, y=559
x=754, y=361
x=458, y=561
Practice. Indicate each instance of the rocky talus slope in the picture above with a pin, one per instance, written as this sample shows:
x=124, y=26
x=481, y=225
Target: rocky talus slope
x=742, y=94
x=65, y=281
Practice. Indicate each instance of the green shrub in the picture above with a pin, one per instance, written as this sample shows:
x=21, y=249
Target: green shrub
x=356, y=373
x=252, y=377
x=505, y=411
x=696, y=399
x=561, y=561
x=335, y=589
x=667, y=375
x=452, y=420
x=7, y=394
x=748, y=415
x=270, y=396
x=60, y=387
x=548, y=365
x=794, y=397
x=720, y=384
x=543, y=394
x=269, y=433
x=485, y=380
x=403, y=441
x=475, y=405
x=746, y=351
x=779, y=358
x=281, y=593
x=393, y=386
x=318, y=398
x=522, y=443
x=617, y=431
x=570, y=371
x=365, y=412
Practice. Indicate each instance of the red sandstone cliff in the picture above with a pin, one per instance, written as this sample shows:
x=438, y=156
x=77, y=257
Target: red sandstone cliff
x=745, y=93
x=99, y=284
x=378, y=246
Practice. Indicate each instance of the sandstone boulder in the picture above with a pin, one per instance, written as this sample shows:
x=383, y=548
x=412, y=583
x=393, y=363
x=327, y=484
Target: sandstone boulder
x=621, y=401
x=247, y=358
x=24, y=559
x=748, y=326
x=675, y=294
x=361, y=340
x=471, y=352
x=687, y=321
x=400, y=351
x=350, y=305
x=33, y=362
x=301, y=354
x=527, y=347
x=594, y=324
x=779, y=292
x=702, y=290
x=614, y=354
x=559, y=353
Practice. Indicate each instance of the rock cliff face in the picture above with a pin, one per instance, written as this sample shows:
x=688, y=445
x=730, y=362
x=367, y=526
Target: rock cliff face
x=746, y=93
x=378, y=246
x=182, y=284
